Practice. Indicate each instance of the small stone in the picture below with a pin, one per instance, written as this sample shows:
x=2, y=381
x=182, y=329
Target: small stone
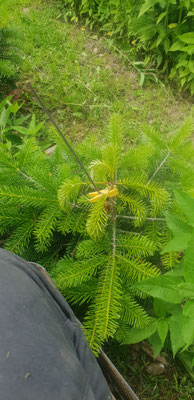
x=155, y=369
x=95, y=50
x=26, y=11
x=162, y=359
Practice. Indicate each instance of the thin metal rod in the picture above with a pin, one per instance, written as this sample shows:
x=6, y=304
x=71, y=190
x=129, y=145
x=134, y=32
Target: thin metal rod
x=61, y=134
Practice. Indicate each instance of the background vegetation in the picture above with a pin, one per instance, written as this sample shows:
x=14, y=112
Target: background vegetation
x=160, y=31
x=10, y=42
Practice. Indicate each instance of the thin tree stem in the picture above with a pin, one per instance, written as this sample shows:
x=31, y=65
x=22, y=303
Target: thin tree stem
x=114, y=220
x=147, y=219
x=114, y=236
x=26, y=176
x=160, y=166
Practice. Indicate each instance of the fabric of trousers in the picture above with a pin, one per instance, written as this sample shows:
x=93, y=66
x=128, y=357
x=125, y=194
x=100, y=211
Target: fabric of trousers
x=43, y=352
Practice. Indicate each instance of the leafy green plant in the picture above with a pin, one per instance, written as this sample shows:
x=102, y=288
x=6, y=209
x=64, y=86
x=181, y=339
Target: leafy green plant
x=96, y=250
x=173, y=292
x=165, y=30
x=12, y=130
x=159, y=31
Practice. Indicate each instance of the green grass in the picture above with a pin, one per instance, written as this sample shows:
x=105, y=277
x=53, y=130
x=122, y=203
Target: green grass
x=82, y=79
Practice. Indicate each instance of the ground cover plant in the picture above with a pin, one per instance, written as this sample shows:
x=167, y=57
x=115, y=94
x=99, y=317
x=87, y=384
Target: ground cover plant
x=161, y=32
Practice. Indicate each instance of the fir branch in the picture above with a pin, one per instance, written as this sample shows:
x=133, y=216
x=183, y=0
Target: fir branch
x=135, y=205
x=89, y=248
x=182, y=134
x=25, y=196
x=71, y=273
x=153, y=190
x=82, y=293
x=102, y=319
x=136, y=245
x=20, y=239
x=136, y=269
x=9, y=219
x=97, y=219
x=132, y=313
x=45, y=226
x=70, y=190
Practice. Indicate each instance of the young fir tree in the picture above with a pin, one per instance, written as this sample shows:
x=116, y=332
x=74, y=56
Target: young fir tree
x=104, y=241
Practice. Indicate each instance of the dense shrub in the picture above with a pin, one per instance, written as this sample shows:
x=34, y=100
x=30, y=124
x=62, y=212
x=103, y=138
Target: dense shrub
x=162, y=31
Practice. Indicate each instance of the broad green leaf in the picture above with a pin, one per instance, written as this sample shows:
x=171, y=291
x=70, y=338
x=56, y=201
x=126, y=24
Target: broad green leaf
x=189, y=261
x=188, y=309
x=4, y=102
x=4, y=116
x=162, y=330
x=176, y=335
x=156, y=344
x=187, y=37
x=20, y=129
x=188, y=330
x=161, y=16
x=191, y=66
x=177, y=46
x=141, y=79
x=189, y=49
x=187, y=359
x=192, y=87
x=146, y=6
x=186, y=289
x=171, y=26
x=186, y=204
x=178, y=271
x=182, y=63
x=136, y=335
x=160, y=308
x=181, y=232
x=163, y=287
x=20, y=120
x=166, y=45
